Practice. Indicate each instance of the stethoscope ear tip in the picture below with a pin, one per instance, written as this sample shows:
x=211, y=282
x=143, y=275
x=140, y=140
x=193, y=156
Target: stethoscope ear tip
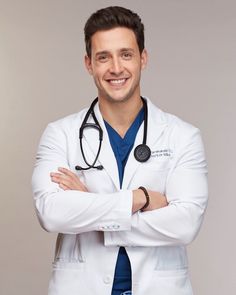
x=79, y=168
x=100, y=167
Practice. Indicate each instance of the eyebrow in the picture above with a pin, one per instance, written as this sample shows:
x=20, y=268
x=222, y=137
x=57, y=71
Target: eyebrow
x=101, y=52
x=127, y=49
x=107, y=52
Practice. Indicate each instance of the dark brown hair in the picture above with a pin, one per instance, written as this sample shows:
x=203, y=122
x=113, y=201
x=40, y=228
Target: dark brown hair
x=112, y=17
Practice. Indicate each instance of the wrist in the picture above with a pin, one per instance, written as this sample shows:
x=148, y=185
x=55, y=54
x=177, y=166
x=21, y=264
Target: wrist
x=139, y=200
x=143, y=189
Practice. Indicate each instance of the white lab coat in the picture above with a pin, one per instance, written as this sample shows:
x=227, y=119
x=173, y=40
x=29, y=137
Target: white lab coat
x=92, y=226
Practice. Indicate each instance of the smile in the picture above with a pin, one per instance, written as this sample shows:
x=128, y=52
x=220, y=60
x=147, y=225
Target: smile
x=117, y=82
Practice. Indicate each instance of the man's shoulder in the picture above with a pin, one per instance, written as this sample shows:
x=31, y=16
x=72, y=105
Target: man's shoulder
x=171, y=120
x=70, y=121
x=176, y=125
x=179, y=124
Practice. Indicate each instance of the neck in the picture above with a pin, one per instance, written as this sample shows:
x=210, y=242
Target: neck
x=120, y=115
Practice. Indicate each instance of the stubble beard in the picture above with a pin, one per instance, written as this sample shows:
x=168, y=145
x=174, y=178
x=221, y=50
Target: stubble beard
x=111, y=99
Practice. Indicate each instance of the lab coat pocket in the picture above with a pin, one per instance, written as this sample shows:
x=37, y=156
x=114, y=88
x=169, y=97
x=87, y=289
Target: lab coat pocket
x=68, y=248
x=62, y=265
x=173, y=282
x=166, y=282
x=171, y=271
x=169, y=282
x=171, y=258
x=67, y=278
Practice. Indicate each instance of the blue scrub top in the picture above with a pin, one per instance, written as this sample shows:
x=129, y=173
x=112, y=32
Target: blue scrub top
x=121, y=148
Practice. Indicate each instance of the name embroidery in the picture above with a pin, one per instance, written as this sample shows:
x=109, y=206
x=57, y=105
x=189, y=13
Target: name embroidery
x=162, y=153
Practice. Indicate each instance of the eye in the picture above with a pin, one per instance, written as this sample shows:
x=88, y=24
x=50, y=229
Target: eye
x=127, y=55
x=102, y=58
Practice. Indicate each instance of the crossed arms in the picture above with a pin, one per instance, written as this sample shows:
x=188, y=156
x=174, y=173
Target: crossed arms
x=67, y=180
x=64, y=205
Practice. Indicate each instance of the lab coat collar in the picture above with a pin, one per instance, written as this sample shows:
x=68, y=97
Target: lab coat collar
x=156, y=123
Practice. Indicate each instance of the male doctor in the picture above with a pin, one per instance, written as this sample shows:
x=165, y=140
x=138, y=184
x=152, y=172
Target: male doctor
x=122, y=183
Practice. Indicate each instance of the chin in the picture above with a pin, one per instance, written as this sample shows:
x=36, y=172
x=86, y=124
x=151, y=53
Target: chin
x=118, y=98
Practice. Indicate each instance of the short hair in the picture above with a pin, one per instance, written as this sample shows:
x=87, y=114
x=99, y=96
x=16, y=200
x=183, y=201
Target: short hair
x=113, y=17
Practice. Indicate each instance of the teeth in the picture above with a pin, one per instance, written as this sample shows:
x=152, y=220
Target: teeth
x=120, y=81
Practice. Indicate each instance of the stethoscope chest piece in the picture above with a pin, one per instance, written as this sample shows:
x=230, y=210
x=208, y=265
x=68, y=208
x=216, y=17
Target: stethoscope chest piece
x=142, y=153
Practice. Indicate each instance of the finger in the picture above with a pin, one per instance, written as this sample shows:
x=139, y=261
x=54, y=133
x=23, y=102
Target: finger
x=55, y=179
x=59, y=176
x=62, y=182
x=64, y=187
x=68, y=181
x=67, y=172
x=72, y=176
x=56, y=174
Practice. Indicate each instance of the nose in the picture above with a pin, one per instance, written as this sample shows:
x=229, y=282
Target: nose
x=116, y=66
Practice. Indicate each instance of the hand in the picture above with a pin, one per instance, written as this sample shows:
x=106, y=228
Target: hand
x=157, y=200
x=67, y=180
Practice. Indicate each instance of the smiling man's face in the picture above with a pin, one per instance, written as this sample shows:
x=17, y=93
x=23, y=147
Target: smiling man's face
x=116, y=64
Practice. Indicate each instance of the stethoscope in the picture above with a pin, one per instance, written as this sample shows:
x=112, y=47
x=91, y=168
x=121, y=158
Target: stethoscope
x=142, y=152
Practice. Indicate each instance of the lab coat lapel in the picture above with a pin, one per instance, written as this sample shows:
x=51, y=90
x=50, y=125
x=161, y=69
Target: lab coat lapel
x=156, y=125
x=132, y=164
x=106, y=158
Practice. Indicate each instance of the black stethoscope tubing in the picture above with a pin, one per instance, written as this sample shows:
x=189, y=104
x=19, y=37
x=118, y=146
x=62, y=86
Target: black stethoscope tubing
x=141, y=153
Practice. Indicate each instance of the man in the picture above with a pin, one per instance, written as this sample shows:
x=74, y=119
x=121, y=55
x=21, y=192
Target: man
x=123, y=183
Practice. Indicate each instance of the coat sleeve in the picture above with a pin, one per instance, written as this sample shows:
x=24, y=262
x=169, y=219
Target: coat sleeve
x=73, y=211
x=187, y=194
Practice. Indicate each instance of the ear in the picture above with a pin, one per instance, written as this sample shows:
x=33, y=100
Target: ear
x=144, y=59
x=88, y=64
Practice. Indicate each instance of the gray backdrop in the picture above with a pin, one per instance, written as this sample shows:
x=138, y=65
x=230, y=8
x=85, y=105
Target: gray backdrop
x=191, y=73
